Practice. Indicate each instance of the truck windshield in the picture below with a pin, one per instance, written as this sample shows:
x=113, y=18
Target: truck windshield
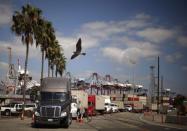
x=53, y=97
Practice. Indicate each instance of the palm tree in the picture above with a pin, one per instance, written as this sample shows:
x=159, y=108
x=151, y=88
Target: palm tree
x=44, y=38
x=61, y=64
x=24, y=23
x=50, y=55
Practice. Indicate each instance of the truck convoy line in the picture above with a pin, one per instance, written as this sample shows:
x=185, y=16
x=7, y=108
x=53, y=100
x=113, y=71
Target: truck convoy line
x=58, y=103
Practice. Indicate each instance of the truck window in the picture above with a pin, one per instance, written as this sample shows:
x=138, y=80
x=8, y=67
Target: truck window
x=90, y=104
x=59, y=96
x=30, y=105
x=12, y=105
x=53, y=97
x=106, y=104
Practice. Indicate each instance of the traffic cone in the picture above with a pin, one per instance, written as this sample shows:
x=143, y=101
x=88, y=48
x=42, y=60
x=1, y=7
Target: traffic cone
x=22, y=116
x=81, y=121
x=33, y=117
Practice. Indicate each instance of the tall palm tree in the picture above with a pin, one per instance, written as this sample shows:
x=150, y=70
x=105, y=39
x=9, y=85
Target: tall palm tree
x=62, y=63
x=23, y=25
x=54, y=55
x=44, y=38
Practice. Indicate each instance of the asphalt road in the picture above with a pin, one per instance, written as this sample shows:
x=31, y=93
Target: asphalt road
x=114, y=122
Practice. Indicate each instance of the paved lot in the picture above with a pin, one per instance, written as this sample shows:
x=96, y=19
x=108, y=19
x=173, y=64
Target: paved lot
x=114, y=122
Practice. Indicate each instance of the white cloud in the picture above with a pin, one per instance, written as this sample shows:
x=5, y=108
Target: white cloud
x=128, y=56
x=94, y=34
x=5, y=13
x=172, y=58
x=134, y=51
x=100, y=33
x=18, y=49
x=3, y=65
x=182, y=40
x=102, y=30
x=156, y=35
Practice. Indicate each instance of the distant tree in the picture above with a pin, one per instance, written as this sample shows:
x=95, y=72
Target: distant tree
x=178, y=103
x=33, y=93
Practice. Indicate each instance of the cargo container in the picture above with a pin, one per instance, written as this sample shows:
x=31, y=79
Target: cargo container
x=137, y=106
x=154, y=107
x=116, y=97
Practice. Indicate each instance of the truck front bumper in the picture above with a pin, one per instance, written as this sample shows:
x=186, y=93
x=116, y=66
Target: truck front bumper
x=49, y=121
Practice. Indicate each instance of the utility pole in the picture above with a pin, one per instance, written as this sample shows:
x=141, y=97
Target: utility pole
x=162, y=89
x=158, y=88
x=152, y=85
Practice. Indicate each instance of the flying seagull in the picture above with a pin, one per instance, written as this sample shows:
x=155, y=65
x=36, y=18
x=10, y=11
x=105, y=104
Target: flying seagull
x=78, y=50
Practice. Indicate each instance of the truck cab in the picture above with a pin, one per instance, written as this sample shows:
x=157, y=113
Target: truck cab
x=91, y=105
x=55, y=102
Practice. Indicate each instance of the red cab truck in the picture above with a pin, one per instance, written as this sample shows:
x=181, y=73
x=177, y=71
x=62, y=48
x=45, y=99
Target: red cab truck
x=96, y=104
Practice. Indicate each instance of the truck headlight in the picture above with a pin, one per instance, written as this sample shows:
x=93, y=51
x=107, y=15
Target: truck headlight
x=36, y=113
x=63, y=114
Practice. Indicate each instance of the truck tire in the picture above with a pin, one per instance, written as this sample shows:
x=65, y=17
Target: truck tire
x=35, y=125
x=68, y=121
x=7, y=112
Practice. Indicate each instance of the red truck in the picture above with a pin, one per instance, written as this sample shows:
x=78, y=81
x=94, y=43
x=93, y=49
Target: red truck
x=96, y=104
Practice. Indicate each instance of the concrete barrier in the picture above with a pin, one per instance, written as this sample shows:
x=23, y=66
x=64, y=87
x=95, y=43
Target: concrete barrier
x=176, y=119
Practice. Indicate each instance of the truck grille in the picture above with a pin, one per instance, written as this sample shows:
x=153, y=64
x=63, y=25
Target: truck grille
x=50, y=111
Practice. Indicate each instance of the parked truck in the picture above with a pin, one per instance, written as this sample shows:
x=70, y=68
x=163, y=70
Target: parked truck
x=108, y=107
x=55, y=102
x=137, y=107
x=96, y=104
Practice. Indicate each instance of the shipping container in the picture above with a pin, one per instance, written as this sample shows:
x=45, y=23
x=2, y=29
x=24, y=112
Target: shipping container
x=100, y=102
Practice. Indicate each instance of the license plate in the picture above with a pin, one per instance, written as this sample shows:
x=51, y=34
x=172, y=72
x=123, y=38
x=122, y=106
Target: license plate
x=50, y=120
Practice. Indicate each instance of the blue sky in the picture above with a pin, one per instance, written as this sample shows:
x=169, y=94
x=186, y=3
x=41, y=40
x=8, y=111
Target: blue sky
x=115, y=34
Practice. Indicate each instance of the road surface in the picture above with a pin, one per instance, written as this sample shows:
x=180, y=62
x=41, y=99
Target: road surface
x=114, y=122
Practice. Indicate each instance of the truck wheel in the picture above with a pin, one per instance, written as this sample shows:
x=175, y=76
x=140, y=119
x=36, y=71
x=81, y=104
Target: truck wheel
x=7, y=112
x=35, y=125
x=68, y=121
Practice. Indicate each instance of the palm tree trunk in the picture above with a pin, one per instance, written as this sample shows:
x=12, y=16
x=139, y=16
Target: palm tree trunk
x=56, y=72
x=52, y=70
x=42, y=68
x=48, y=67
x=24, y=88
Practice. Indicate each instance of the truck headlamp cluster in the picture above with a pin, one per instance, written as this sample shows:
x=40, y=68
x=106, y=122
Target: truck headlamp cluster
x=36, y=113
x=63, y=114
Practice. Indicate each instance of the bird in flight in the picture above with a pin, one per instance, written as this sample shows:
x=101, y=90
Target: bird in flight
x=78, y=50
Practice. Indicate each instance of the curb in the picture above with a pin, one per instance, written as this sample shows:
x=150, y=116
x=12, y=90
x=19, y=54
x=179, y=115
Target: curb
x=163, y=125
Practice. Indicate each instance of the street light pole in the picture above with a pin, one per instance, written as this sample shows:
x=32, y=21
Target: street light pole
x=158, y=85
x=133, y=62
